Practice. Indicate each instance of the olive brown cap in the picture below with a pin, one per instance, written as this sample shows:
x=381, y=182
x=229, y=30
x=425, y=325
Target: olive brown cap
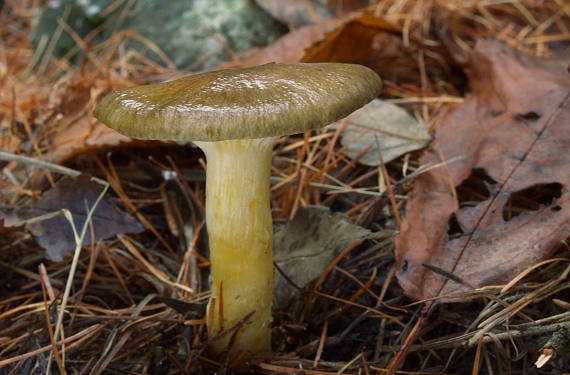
x=263, y=101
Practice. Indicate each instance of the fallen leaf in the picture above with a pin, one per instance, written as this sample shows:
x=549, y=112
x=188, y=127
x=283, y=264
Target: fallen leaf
x=85, y=134
x=292, y=46
x=77, y=195
x=296, y=13
x=358, y=39
x=384, y=124
x=515, y=126
x=305, y=246
x=77, y=130
x=353, y=37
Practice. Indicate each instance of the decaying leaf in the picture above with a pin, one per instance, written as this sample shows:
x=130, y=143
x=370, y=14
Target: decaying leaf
x=76, y=195
x=305, y=246
x=514, y=126
x=384, y=124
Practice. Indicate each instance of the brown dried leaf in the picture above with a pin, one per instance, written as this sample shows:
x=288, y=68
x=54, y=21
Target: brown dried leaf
x=83, y=135
x=514, y=126
x=291, y=47
x=77, y=195
x=358, y=40
x=353, y=37
x=77, y=130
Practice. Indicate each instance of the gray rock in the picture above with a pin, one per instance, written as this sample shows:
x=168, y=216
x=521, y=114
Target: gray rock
x=194, y=34
x=296, y=12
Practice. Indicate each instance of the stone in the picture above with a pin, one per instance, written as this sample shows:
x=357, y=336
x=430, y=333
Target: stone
x=194, y=34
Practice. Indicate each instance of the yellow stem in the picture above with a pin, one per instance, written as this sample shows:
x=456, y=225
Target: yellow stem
x=238, y=218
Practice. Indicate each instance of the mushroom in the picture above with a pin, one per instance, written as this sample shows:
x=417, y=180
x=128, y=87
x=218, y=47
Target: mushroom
x=235, y=116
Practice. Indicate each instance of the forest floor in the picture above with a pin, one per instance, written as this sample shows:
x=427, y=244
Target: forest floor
x=453, y=256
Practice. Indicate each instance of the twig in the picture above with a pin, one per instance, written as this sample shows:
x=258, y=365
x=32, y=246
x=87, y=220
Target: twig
x=8, y=156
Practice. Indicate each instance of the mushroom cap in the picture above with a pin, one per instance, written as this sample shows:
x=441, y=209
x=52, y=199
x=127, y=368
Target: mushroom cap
x=262, y=101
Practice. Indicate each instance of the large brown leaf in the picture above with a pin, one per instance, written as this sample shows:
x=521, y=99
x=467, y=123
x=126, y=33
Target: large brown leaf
x=515, y=125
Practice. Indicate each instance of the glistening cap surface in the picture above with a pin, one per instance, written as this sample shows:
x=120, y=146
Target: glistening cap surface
x=262, y=101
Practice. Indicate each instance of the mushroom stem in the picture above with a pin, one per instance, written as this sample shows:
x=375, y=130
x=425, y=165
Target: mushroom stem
x=238, y=218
